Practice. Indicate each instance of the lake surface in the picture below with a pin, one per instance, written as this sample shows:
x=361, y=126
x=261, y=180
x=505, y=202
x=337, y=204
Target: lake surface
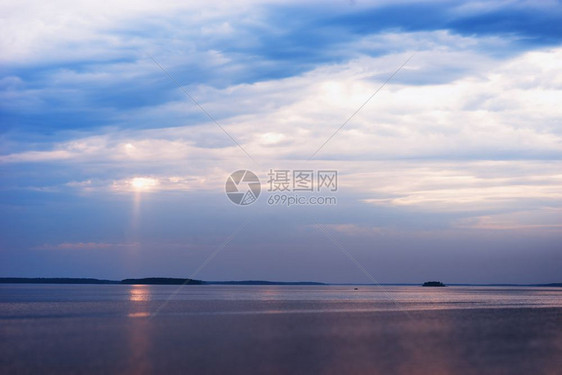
x=211, y=329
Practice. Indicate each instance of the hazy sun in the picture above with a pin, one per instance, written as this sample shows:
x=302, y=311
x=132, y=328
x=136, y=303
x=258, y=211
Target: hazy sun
x=143, y=183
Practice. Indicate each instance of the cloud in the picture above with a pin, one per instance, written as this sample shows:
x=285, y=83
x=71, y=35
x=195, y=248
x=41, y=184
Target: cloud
x=532, y=22
x=85, y=246
x=81, y=66
x=354, y=229
x=157, y=184
x=466, y=186
x=484, y=140
x=547, y=218
x=515, y=100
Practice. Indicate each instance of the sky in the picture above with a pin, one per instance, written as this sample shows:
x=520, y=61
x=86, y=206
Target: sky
x=120, y=124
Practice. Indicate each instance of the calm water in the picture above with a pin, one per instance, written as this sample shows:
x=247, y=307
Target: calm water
x=279, y=329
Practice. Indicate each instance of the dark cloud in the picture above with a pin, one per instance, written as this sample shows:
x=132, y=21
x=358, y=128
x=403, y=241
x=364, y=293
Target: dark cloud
x=290, y=41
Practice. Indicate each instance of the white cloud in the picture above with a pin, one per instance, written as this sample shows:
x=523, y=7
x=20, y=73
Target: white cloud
x=465, y=186
x=497, y=109
x=495, y=113
x=547, y=218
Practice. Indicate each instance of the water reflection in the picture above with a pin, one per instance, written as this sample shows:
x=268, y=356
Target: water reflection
x=139, y=293
x=236, y=330
x=143, y=314
x=138, y=330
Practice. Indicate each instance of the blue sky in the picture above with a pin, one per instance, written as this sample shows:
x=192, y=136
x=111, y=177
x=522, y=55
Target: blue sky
x=452, y=171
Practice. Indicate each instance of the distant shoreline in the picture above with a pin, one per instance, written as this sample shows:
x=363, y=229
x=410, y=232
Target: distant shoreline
x=179, y=281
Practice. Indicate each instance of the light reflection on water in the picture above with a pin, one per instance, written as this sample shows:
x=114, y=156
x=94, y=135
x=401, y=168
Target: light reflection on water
x=139, y=293
x=138, y=314
x=280, y=329
x=375, y=297
x=148, y=298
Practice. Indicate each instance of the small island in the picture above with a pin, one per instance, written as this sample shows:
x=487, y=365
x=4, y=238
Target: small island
x=161, y=281
x=433, y=283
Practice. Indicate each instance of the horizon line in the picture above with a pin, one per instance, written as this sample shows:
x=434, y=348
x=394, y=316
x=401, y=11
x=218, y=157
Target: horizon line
x=188, y=281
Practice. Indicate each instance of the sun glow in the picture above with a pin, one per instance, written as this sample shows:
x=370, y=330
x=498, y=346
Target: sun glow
x=143, y=183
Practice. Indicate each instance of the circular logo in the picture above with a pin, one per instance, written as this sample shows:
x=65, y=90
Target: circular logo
x=243, y=187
